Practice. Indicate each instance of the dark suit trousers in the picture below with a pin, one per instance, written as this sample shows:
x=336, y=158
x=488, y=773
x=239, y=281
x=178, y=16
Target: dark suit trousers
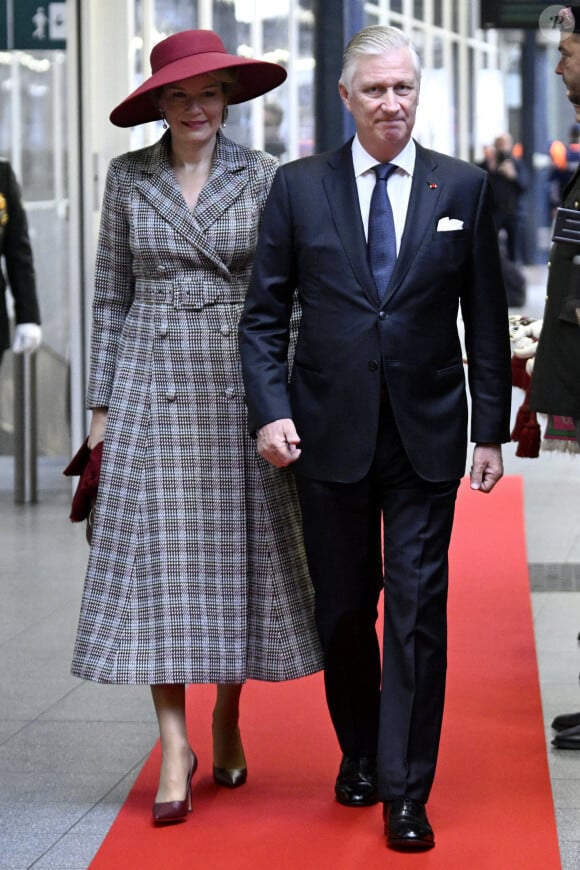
x=400, y=723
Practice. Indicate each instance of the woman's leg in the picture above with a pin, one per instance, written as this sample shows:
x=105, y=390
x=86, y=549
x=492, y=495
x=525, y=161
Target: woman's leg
x=177, y=757
x=228, y=752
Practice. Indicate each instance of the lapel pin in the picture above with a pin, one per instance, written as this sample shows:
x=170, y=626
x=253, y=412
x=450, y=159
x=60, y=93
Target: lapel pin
x=432, y=185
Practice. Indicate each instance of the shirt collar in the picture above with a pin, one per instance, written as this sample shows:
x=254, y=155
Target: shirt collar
x=363, y=162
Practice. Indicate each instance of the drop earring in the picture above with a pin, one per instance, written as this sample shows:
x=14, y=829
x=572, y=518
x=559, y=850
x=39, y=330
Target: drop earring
x=224, y=117
x=164, y=120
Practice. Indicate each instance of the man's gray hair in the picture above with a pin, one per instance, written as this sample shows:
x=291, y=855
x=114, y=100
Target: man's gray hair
x=374, y=40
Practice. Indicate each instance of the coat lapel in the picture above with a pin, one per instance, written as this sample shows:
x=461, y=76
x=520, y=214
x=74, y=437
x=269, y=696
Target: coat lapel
x=228, y=178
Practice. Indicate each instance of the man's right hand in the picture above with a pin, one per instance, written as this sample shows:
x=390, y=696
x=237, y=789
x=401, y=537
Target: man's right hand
x=278, y=443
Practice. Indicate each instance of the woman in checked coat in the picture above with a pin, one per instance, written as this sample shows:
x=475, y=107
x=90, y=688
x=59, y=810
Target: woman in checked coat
x=196, y=571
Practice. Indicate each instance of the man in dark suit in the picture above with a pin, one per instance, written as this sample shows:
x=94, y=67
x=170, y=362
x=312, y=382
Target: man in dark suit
x=16, y=254
x=375, y=415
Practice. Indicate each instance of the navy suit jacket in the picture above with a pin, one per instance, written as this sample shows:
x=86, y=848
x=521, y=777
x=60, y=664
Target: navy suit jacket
x=349, y=346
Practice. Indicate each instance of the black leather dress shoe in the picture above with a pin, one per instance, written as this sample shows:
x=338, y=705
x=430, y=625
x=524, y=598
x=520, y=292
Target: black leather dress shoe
x=406, y=825
x=565, y=721
x=569, y=739
x=356, y=783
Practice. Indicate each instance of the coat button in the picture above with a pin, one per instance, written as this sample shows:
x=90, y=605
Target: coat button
x=229, y=393
x=373, y=365
x=170, y=395
x=225, y=330
x=161, y=269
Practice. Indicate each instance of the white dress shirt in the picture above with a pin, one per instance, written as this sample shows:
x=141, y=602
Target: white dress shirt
x=398, y=185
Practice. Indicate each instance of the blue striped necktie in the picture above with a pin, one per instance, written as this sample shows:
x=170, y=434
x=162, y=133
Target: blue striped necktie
x=382, y=242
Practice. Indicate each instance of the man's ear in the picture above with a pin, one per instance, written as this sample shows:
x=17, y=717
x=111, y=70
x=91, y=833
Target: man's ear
x=344, y=95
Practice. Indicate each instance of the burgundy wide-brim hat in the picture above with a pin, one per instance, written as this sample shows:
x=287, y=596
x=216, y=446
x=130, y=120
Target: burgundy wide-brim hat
x=192, y=53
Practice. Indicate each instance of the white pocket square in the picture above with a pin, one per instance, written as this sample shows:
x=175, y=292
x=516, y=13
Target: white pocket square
x=446, y=224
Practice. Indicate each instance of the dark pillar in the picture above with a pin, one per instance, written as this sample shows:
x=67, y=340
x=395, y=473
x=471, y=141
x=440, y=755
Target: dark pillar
x=535, y=137
x=336, y=22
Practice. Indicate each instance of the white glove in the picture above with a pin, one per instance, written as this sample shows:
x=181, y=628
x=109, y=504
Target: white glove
x=524, y=348
x=27, y=337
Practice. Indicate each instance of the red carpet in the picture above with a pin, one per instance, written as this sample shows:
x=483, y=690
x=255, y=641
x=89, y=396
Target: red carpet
x=491, y=806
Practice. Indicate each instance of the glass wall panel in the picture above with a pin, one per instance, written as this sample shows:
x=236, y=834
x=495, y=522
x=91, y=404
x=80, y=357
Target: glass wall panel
x=281, y=31
x=438, y=13
x=174, y=15
x=455, y=14
x=304, y=69
x=258, y=30
x=418, y=9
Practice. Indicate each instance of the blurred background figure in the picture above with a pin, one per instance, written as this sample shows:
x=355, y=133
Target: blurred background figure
x=17, y=272
x=565, y=160
x=509, y=182
x=273, y=141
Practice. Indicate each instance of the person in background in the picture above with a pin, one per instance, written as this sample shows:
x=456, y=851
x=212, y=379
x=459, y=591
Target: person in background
x=565, y=160
x=18, y=262
x=508, y=179
x=273, y=141
x=509, y=182
x=197, y=571
x=555, y=385
x=374, y=420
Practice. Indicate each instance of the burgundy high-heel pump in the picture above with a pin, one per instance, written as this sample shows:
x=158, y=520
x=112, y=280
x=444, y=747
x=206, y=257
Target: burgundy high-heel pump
x=173, y=811
x=230, y=777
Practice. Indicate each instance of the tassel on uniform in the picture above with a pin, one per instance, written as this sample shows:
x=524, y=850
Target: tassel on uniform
x=520, y=421
x=530, y=438
x=520, y=377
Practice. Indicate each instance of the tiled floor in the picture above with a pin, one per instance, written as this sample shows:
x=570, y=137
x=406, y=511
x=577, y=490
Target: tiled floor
x=69, y=751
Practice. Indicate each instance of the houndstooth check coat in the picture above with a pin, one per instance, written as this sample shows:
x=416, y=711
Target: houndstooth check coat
x=196, y=570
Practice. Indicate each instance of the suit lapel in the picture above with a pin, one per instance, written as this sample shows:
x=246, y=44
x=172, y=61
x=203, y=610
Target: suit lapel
x=340, y=186
x=425, y=192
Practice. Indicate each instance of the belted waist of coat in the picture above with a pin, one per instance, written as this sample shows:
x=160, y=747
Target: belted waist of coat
x=188, y=294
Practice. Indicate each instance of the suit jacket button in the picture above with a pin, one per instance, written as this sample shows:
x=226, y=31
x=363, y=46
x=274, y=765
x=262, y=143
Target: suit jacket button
x=382, y=315
x=373, y=365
